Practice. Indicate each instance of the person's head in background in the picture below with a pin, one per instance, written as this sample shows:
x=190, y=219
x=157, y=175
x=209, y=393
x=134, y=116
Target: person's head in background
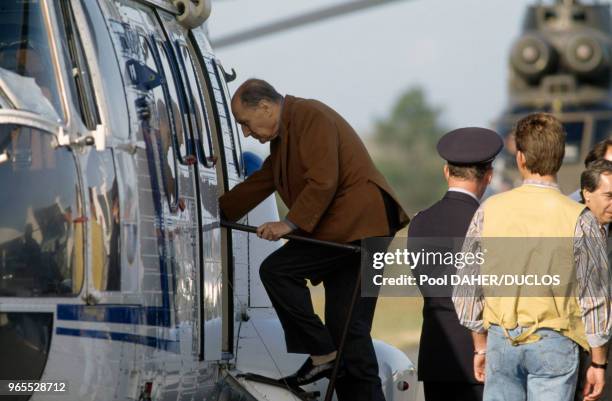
x=601, y=150
x=473, y=178
x=596, y=189
x=540, y=146
x=469, y=153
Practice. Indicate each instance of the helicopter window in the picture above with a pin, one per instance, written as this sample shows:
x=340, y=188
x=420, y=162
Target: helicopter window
x=225, y=123
x=203, y=130
x=80, y=69
x=573, y=141
x=112, y=82
x=214, y=95
x=603, y=130
x=550, y=15
x=25, y=48
x=217, y=94
x=41, y=223
x=162, y=124
x=103, y=196
x=579, y=15
x=177, y=107
x=234, y=130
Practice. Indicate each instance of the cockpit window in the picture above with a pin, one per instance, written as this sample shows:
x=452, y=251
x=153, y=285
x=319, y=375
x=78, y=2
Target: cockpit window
x=603, y=130
x=574, y=131
x=82, y=87
x=41, y=221
x=25, y=48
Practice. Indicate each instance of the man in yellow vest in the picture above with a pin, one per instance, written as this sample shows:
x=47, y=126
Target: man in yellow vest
x=526, y=337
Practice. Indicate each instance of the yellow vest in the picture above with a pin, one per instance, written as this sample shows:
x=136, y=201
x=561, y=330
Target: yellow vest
x=539, y=223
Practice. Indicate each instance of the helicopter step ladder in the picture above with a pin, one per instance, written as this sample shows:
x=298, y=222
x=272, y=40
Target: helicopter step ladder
x=297, y=391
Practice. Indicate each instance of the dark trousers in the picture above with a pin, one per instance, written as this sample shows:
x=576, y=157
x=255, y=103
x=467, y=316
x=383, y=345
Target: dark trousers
x=450, y=391
x=284, y=274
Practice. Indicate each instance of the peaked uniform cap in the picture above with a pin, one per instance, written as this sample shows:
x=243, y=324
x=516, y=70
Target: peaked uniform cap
x=469, y=146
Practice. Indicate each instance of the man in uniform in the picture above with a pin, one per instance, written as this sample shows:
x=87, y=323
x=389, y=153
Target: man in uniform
x=445, y=348
x=323, y=173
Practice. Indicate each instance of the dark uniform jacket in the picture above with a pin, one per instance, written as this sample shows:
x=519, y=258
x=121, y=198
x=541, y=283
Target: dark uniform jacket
x=445, y=349
x=324, y=174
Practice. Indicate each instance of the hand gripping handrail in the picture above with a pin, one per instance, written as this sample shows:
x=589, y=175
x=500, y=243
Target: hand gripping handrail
x=252, y=229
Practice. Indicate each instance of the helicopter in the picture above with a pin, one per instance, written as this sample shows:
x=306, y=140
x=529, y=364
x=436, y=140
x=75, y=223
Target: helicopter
x=561, y=64
x=117, y=279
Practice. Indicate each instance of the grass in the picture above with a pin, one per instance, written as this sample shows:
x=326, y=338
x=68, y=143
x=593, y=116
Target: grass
x=397, y=321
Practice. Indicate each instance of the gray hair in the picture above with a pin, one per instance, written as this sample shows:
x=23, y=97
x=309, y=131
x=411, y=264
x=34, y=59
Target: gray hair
x=475, y=172
x=252, y=91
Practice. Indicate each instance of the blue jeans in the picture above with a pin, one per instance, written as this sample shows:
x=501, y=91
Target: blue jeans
x=546, y=370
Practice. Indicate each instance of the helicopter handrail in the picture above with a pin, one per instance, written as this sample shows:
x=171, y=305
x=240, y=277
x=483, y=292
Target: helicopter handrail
x=252, y=229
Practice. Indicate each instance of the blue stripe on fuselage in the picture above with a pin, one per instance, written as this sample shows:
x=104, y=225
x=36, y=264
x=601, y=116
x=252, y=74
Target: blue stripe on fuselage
x=124, y=314
x=166, y=345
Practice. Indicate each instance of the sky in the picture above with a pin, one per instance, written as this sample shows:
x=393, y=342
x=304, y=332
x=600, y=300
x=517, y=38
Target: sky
x=359, y=64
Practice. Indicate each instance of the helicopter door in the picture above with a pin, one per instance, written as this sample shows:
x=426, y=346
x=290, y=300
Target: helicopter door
x=211, y=270
x=167, y=188
x=234, y=247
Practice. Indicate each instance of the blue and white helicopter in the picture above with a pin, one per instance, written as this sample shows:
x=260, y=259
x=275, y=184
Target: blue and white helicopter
x=117, y=280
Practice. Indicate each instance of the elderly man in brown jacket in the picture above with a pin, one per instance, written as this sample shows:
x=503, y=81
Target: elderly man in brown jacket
x=324, y=174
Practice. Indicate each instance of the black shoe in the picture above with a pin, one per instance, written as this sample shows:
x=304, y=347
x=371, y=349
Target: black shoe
x=309, y=373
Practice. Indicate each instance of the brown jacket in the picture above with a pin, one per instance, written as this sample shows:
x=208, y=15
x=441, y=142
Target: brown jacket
x=323, y=173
